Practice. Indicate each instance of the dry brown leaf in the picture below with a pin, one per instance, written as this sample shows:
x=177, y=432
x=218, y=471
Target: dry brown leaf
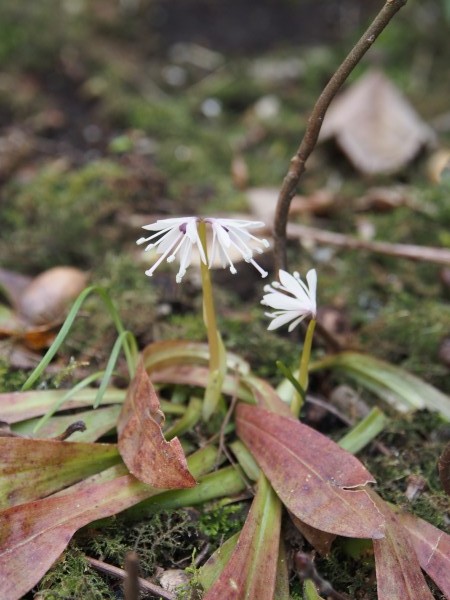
x=148, y=456
x=46, y=298
x=375, y=125
x=263, y=203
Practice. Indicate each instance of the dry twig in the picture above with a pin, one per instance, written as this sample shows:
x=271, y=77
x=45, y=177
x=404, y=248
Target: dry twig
x=411, y=251
x=145, y=585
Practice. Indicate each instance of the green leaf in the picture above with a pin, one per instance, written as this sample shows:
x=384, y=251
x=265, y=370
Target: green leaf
x=31, y=469
x=364, y=432
x=98, y=423
x=400, y=389
x=252, y=568
x=309, y=591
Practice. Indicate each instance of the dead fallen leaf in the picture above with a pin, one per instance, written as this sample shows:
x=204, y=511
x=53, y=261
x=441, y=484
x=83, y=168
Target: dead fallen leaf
x=432, y=547
x=141, y=443
x=12, y=285
x=384, y=199
x=319, y=482
x=46, y=298
x=263, y=203
x=438, y=166
x=375, y=125
x=399, y=576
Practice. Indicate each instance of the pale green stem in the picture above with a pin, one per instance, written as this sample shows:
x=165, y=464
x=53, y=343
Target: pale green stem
x=209, y=313
x=303, y=370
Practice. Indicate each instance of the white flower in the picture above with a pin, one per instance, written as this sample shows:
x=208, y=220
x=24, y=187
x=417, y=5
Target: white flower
x=292, y=299
x=180, y=235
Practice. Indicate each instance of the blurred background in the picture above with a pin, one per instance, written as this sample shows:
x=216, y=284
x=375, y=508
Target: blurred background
x=114, y=113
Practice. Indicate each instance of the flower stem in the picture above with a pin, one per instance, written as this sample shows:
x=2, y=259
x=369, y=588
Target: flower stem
x=303, y=370
x=209, y=313
x=217, y=354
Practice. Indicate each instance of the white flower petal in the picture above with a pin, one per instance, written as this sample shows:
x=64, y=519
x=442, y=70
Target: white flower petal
x=177, y=237
x=281, y=301
x=292, y=299
x=280, y=320
x=294, y=324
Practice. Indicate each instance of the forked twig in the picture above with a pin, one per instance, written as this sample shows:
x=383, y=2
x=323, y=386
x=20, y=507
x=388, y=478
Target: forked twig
x=297, y=164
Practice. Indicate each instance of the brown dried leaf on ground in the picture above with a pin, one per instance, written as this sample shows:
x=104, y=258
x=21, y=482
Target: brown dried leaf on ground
x=375, y=125
x=319, y=482
x=39, y=304
x=263, y=203
x=148, y=456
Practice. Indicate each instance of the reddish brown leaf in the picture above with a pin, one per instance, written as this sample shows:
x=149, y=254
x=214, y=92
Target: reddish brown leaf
x=319, y=540
x=432, y=547
x=197, y=375
x=252, y=569
x=31, y=469
x=33, y=535
x=399, y=576
x=444, y=468
x=316, y=479
x=142, y=446
x=266, y=396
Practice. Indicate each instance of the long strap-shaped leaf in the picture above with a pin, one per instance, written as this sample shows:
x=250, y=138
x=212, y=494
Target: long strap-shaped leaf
x=252, y=569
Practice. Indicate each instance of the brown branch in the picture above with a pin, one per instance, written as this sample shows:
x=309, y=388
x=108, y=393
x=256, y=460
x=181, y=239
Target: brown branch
x=297, y=165
x=424, y=253
x=144, y=585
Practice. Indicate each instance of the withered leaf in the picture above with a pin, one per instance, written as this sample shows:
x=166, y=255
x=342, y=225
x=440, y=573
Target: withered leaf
x=148, y=456
x=46, y=298
x=375, y=125
x=319, y=482
x=399, y=576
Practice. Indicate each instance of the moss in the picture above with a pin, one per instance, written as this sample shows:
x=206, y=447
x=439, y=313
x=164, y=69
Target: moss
x=167, y=539
x=414, y=445
x=10, y=380
x=69, y=207
x=218, y=523
x=72, y=578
